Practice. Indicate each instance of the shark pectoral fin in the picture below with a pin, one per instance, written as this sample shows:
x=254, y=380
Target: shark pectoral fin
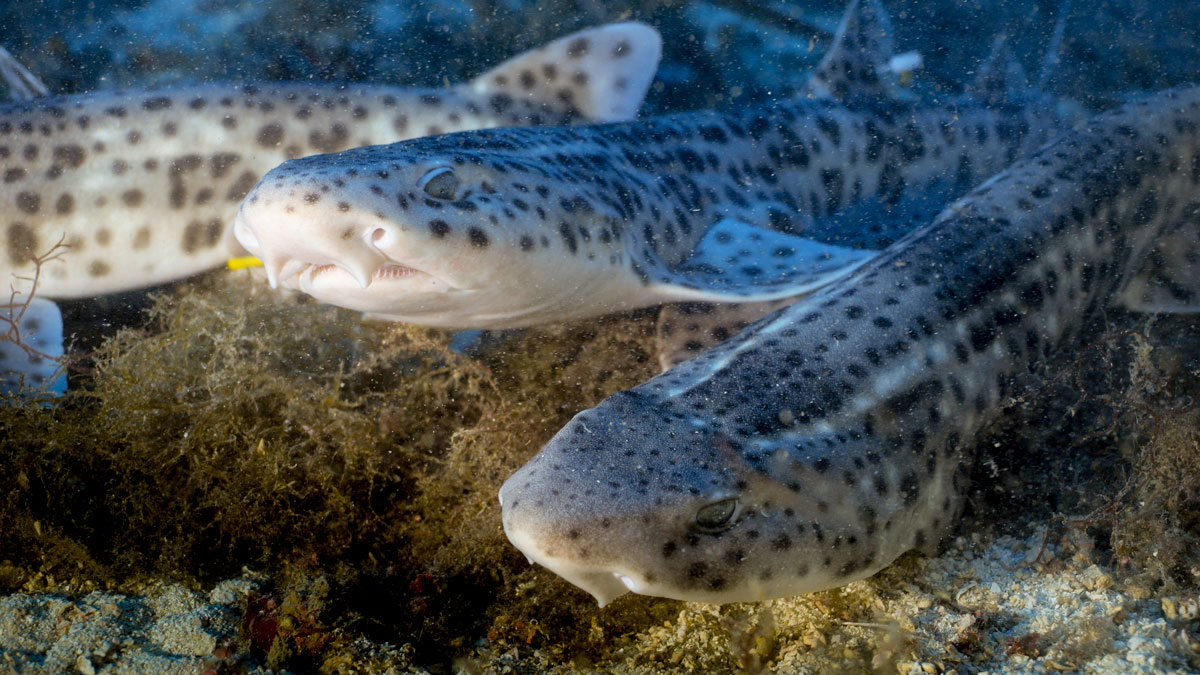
x=601, y=73
x=1168, y=280
x=857, y=65
x=738, y=262
x=687, y=328
x=31, y=344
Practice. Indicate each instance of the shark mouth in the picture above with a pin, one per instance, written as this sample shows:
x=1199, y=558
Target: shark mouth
x=386, y=273
x=313, y=278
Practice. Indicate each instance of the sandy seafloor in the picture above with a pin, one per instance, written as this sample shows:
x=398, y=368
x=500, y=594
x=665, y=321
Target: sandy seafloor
x=1025, y=593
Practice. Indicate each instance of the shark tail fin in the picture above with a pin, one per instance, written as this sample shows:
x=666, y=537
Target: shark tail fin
x=602, y=74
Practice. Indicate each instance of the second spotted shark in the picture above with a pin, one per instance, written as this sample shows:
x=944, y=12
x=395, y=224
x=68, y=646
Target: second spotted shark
x=130, y=189
x=506, y=228
x=823, y=441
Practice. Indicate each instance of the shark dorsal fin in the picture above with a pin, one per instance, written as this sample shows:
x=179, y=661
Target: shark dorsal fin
x=22, y=84
x=1000, y=77
x=600, y=73
x=856, y=66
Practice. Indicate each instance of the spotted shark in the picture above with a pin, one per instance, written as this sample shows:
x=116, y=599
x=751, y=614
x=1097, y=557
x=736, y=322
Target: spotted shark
x=136, y=188
x=505, y=228
x=825, y=440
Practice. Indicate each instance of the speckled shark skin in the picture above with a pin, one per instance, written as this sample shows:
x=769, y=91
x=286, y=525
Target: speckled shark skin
x=141, y=185
x=822, y=442
x=506, y=228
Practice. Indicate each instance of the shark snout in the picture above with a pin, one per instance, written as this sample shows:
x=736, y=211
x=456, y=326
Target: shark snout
x=293, y=241
x=554, y=547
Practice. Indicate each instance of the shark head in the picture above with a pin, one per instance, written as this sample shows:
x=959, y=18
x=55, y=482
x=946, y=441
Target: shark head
x=428, y=233
x=637, y=495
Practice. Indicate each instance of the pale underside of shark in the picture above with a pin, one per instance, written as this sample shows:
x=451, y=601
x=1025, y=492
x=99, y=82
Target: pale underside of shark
x=135, y=188
x=507, y=228
x=823, y=441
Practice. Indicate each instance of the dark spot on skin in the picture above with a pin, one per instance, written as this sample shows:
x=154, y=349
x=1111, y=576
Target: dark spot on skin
x=29, y=202
x=332, y=141
x=577, y=48
x=156, y=103
x=221, y=162
x=65, y=204
x=177, y=197
x=477, y=237
x=499, y=103
x=13, y=175
x=98, y=268
x=439, y=228
x=70, y=155
x=568, y=237
x=270, y=135
x=241, y=187
x=133, y=198
x=103, y=236
x=198, y=235
x=142, y=239
x=185, y=164
x=22, y=243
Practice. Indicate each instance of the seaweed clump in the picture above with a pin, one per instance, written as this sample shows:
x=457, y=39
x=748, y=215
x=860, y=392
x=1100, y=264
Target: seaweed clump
x=353, y=465
x=1156, y=518
x=238, y=430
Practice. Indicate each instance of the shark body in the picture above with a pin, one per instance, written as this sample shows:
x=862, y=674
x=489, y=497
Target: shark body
x=823, y=441
x=504, y=228
x=140, y=186
x=114, y=191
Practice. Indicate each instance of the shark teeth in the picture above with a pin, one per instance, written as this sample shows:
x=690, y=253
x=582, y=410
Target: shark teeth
x=385, y=273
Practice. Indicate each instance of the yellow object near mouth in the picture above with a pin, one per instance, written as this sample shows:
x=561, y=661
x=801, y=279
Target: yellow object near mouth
x=243, y=262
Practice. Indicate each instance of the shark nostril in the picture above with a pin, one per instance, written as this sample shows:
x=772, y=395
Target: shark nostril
x=245, y=236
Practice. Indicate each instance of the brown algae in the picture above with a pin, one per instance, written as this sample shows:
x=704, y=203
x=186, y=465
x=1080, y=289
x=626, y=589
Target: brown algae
x=354, y=466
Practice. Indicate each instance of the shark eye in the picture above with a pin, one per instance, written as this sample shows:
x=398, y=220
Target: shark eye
x=718, y=516
x=440, y=183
